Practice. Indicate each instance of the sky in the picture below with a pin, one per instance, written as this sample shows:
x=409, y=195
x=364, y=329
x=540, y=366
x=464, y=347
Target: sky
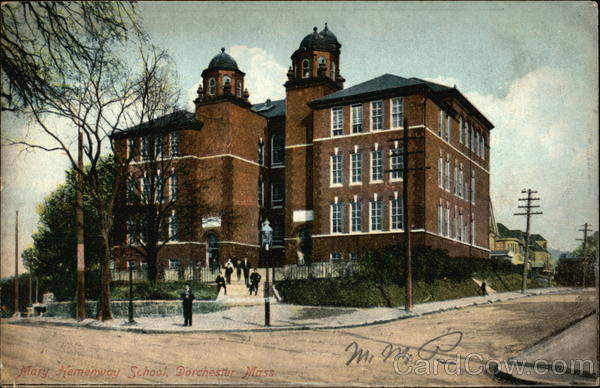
x=530, y=67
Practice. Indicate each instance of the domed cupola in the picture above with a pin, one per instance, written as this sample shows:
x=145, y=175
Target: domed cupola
x=222, y=61
x=318, y=57
x=222, y=77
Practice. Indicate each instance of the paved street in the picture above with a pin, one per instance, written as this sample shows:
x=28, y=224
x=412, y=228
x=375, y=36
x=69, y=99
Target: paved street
x=63, y=355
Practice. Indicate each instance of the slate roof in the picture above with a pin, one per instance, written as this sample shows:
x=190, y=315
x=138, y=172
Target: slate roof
x=222, y=61
x=507, y=233
x=537, y=237
x=383, y=82
x=180, y=119
x=392, y=84
x=270, y=109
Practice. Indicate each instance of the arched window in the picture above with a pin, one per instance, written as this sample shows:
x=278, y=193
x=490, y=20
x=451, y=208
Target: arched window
x=238, y=89
x=212, y=86
x=305, y=68
x=332, y=70
x=213, y=251
x=277, y=149
x=226, y=79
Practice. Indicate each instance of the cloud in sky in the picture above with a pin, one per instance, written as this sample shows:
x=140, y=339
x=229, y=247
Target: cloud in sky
x=545, y=139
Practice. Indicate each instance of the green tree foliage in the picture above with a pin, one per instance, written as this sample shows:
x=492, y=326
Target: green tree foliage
x=591, y=247
x=54, y=255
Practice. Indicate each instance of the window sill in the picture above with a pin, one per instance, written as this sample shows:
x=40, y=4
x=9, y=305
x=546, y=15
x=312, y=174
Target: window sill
x=376, y=182
x=356, y=184
x=397, y=180
x=277, y=207
x=336, y=185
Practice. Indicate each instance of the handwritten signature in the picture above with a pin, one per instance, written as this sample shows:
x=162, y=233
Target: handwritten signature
x=440, y=344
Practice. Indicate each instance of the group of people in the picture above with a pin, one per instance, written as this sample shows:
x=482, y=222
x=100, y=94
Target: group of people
x=252, y=281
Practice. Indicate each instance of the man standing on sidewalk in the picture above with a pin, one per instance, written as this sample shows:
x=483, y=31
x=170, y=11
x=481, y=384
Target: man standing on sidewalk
x=254, y=281
x=187, y=298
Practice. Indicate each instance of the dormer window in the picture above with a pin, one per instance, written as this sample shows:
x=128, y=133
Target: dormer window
x=238, y=89
x=333, y=71
x=212, y=86
x=305, y=68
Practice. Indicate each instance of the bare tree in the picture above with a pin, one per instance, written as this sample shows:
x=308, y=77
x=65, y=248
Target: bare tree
x=99, y=97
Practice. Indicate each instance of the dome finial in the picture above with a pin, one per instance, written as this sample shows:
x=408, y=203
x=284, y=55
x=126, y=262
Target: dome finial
x=325, y=25
x=315, y=29
x=222, y=49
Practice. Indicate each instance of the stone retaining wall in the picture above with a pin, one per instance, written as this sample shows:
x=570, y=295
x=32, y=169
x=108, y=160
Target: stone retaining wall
x=141, y=308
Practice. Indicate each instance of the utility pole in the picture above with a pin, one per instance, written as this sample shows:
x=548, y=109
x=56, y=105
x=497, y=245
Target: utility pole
x=80, y=240
x=585, y=231
x=529, y=200
x=408, y=304
x=17, y=314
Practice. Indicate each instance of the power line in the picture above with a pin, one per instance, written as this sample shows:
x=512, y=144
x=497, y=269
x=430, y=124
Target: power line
x=585, y=231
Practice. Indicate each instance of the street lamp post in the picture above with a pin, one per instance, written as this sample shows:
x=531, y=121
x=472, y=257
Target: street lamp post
x=131, y=320
x=267, y=237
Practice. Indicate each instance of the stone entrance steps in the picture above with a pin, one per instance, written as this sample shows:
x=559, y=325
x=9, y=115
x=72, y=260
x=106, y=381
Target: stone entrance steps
x=238, y=292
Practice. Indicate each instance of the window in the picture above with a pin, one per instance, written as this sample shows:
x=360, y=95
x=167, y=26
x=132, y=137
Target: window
x=440, y=219
x=333, y=70
x=354, y=256
x=144, y=266
x=146, y=185
x=277, y=149
x=472, y=186
x=160, y=187
x=277, y=195
x=472, y=229
x=337, y=121
x=448, y=128
x=238, y=89
x=460, y=130
x=441, y=172
x=131, y=191
x=261, y=193
x=277, y=235
x=455, y=234
x=174, y=187
x=226, y=79
x=397, y=112
x=357, y=118
x=145, y=148
x=447, y=174
x=461, y=227
x=174, y=144
x=336, y=257
x=158, y=147
x=377, y=166
x=461, y=184
x=336, y=217
x=131, y=231
x=356, y=174
x=213, y=250
x=130, y=148
x=305, y=68
x=174, y=264
x=456, y=179
x=212, y=86
x=467, y=129
x=482, y=147
x=356, y=216
x=261, y=153
x=466, y=191
x=441, y=130
x=336, y=170
x=376, y=213
x=396, y=214
x=473, y=140
x=173, y=227
x=447, y=229
x=376, y=115
x=397, y=163
x=132, y=265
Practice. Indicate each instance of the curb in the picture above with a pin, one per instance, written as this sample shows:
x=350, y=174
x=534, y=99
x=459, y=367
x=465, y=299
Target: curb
x=133, y=329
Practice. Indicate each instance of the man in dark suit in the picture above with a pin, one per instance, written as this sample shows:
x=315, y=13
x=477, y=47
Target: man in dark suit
x=220, y=280
x=246, y=268
x=187, y=298
x=254, y=281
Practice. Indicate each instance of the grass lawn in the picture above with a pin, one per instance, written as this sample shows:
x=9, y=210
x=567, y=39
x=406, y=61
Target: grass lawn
x=161, y=290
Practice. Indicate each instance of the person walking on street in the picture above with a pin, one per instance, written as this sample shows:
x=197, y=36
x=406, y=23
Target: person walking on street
x=483, y=289
x=238, y=270
x=220, y=280
x=246, y=268
x=228, y=271
x=187, y=298
x=254, y=281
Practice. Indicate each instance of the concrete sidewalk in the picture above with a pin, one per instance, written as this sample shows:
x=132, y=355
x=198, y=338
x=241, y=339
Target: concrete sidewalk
x=283, y=316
